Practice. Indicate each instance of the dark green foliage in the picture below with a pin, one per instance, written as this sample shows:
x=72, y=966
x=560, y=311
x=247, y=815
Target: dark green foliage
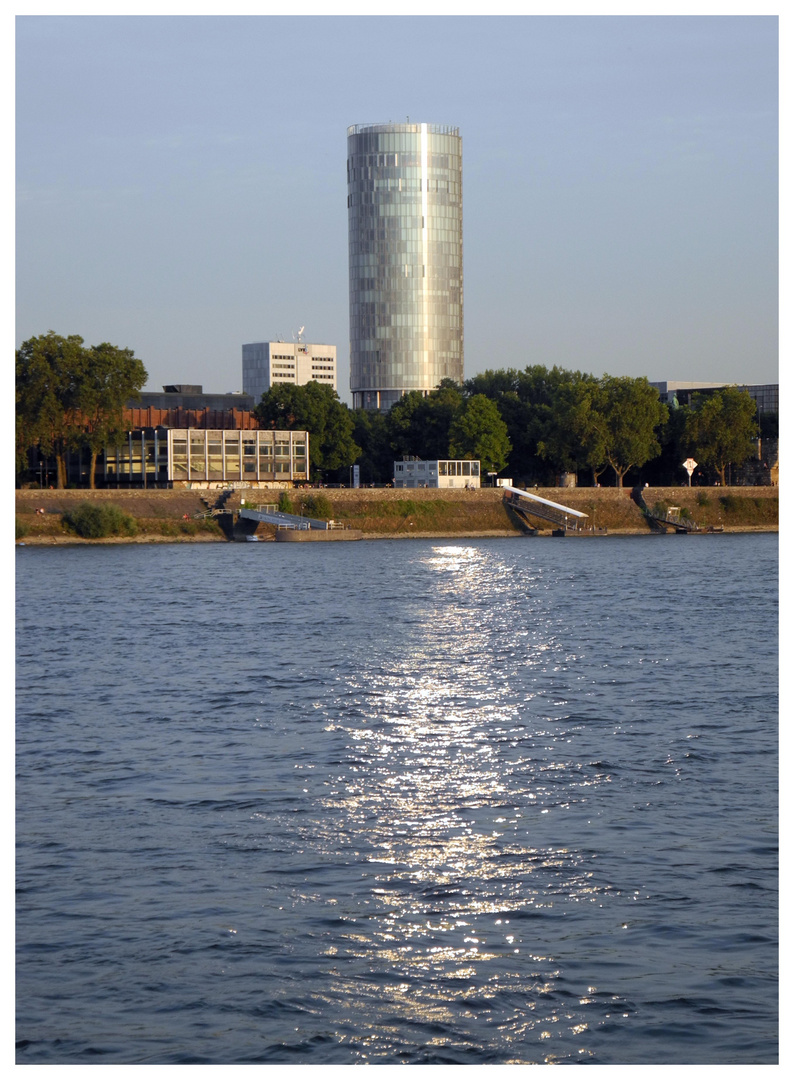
x=112, y=377
x=93, y=521
x=525, y=400
x=479, y=433
x=666, y=470
x=317, y=506
x=730, y=503
x=631, y=415
x=317, y=409
x=21, y=529
x=371, y=433
x=721, y=428
x=554, y=421
x=419, y=424
x=572, y=430
x=69, y=397
x=285, y=503
x=703, y=499
x=49, y=372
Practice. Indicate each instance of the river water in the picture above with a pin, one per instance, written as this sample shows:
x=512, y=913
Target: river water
x=442, y=802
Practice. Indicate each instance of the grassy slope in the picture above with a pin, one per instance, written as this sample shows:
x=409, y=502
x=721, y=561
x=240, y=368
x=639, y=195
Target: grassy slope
x=381, y=511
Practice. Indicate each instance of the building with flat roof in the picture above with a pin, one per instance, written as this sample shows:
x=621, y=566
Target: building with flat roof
x=405, y=230
x=765, y=395
x=298, y=362
x=206, y=458
x=191, y=396
x=436, y=474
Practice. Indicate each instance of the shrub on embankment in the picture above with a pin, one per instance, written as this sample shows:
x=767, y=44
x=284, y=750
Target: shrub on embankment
x=95, y=521
x=315, y=506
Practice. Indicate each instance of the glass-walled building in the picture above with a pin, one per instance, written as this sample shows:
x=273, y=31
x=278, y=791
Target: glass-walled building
x=406, y=260
x=201, y=457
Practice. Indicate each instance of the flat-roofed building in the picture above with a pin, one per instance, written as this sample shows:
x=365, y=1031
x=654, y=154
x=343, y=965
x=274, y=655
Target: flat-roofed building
x=206, y=458
x=765, y=395
x=191, y=396
x=266, y=363
x=436, y=474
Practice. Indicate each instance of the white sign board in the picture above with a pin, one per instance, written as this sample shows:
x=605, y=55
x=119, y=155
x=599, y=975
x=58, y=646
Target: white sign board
x=690, y=465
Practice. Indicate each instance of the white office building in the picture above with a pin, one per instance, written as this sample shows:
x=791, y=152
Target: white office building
x=268, y=362
x=436, y=474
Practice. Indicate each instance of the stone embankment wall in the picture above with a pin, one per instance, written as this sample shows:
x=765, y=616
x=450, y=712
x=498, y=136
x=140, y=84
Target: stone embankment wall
x=168, y=515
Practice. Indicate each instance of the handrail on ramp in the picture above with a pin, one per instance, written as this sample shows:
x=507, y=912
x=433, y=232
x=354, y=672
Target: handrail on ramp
x=285, y=521
x=546, y=502
x=541, y=508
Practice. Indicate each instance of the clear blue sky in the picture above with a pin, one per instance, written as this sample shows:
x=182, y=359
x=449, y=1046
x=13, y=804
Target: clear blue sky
x=181, y=184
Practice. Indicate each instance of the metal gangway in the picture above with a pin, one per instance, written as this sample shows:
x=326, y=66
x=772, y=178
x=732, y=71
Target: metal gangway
x=528, y=505
x=670, y=518
x=284, y=521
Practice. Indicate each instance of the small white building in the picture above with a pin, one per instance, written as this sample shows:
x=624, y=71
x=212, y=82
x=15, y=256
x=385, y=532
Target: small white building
x=298, y=362
x=436, y=474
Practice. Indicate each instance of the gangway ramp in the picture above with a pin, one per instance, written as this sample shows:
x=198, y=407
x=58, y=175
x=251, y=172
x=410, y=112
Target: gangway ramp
x=284, y=521
x=569, y=522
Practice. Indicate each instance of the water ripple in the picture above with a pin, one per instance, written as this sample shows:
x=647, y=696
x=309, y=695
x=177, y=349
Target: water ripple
x=443, y=803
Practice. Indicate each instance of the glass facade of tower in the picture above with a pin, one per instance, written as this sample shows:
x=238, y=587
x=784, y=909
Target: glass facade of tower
x=406, y=260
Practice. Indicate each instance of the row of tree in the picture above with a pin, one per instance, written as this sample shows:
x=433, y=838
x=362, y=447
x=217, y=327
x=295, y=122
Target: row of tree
x=532, y=424
x=70, y=396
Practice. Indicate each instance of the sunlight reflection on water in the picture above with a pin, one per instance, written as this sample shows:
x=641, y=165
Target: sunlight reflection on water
x=428, y=803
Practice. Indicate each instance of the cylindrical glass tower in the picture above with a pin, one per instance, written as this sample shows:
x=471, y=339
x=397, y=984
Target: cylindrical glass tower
x=406, y=260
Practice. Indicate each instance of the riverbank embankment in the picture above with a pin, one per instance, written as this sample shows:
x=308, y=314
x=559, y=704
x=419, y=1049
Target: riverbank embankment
x=169, y=516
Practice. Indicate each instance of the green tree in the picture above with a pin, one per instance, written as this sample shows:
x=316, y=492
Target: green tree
x=527, y=401
x=69, y=396
x=666, y=469
x=419, y=423
x=573, y=426
x=632, y=412
x=478, y=432
x=317, y=409
x=49, y=374
x=371, y=433
x=590, y=430
x=721, y=428
x=112, y=377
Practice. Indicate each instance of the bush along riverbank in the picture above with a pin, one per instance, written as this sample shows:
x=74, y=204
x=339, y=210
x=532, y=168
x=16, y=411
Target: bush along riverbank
x=74, y=516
